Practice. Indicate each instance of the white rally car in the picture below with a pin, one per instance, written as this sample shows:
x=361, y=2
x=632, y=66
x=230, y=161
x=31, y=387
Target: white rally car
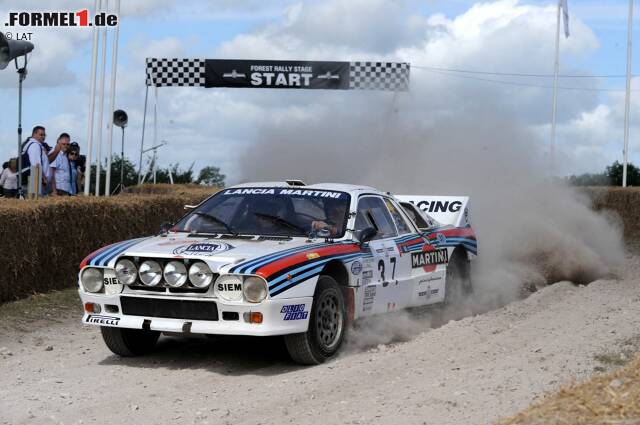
x=280, y=259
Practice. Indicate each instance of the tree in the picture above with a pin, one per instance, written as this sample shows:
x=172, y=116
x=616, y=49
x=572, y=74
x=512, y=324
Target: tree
x=211, y=176
x=612, y=176
x=614, y=172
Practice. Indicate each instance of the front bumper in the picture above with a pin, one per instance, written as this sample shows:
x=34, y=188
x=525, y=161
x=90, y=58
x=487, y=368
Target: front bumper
x=229, y=320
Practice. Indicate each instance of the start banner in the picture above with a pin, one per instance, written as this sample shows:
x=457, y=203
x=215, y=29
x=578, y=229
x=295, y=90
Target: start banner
x=388, y=76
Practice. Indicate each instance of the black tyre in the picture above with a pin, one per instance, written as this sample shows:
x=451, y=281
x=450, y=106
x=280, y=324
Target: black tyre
x=458, y=281
x=129, y=342
x=327, y=326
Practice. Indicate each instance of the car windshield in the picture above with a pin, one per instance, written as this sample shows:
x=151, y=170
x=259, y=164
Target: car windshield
x=270, y=212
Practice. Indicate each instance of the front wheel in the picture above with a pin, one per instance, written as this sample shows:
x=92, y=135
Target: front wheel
x=326, y=326
x=129, y=342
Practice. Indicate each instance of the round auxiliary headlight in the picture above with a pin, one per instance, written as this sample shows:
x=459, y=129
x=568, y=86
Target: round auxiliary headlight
x=92, y=279
x=126, y=271
x=254, y=289
x=229, y=287
x=175, y=273
x=150, y=273
x=200, y=275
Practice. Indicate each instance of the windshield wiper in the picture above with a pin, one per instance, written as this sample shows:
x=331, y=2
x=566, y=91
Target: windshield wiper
x=217, y=220
x=282, y=222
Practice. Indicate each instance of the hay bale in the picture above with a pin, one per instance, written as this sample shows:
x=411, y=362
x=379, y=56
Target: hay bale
x=44, y=241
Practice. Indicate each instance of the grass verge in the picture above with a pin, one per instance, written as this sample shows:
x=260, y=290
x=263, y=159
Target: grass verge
x=607, y=398
x=56, y=306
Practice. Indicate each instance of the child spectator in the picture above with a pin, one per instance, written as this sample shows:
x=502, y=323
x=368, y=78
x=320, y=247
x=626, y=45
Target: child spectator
x=73, y=155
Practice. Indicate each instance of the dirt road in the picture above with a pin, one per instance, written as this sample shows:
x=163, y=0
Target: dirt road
x=470, y=371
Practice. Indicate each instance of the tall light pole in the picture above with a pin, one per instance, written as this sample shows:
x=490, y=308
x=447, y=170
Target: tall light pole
x=12, y=50
x=92, y=100
x=627, y=97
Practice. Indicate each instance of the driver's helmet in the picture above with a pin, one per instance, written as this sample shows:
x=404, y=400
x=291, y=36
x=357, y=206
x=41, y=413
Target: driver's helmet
x=331, y=206
x=269, y=207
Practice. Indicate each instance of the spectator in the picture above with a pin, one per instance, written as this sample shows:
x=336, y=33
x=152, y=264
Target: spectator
x=5, y=165
x=73, y=154
x=9, y=179
x=61, y=168
x=80, y=163
x=35, y=149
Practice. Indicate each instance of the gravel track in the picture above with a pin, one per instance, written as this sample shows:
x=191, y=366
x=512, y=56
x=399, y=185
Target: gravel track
x=471, y=371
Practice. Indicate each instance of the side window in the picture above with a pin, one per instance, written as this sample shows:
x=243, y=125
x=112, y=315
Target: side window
x=372, y=212
x=415, y=215
x=401, y=223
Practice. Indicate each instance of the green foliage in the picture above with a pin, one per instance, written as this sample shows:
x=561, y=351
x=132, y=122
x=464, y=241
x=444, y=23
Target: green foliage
x=211, y=176
x=614, y=171
x=612, y=176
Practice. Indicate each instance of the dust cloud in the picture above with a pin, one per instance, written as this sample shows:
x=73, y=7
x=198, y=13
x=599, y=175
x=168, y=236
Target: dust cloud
x=532, y=230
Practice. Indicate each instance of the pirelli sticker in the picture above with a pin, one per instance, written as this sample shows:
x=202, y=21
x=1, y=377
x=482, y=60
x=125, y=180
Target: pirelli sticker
x=429, y=258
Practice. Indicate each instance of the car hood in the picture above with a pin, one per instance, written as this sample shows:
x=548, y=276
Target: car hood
x=217, y=253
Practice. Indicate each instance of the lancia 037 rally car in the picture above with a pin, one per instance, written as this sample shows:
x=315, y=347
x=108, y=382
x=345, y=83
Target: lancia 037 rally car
x=280, y=259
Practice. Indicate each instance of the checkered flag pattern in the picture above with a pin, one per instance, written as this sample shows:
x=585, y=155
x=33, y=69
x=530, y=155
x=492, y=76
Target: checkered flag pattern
x=392, y=76
x=175, y=72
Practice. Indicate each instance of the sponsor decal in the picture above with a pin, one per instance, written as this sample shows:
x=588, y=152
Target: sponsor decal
x=293, y=192
x=367, y=274
x=313, y=255
x=466, y=215
x=111, y=283
x=439, y=206
x=369, y=297
x=204, y=248
x=391, y=306
x=429, y=258
x=231, y=287
x=429, y=279
x=428, y=293
x=356, y=268
x=442, y=239
x=102, y=320
x=294, y=312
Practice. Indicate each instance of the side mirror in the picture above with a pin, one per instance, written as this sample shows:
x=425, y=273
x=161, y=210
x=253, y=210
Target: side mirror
x=365, y=235
x=165, y=227
x=323, y=233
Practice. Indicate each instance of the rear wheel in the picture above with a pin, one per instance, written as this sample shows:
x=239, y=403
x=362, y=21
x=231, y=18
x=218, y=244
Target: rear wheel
x=458, y=281
x=129, y=342
x=326, y=326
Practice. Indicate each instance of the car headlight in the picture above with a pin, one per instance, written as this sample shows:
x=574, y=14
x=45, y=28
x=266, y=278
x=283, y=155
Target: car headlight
x=126, y=271
x=229, y=287
x=91, y=279
x=175, y=273
x=254, y=289
x=150, y=273
x=200, y=275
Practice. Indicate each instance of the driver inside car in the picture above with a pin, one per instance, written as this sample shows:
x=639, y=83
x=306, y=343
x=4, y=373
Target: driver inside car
x=334, y=213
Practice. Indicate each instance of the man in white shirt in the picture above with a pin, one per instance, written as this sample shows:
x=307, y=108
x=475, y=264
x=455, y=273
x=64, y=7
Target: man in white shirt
x=37, y=154
x=61, y=168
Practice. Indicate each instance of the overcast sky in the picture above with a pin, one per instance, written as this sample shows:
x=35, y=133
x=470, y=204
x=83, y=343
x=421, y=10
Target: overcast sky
x=227, y=127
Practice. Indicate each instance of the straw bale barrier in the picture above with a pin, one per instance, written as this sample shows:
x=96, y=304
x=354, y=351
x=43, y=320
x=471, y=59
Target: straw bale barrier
x=42, y=242
x=623, y=202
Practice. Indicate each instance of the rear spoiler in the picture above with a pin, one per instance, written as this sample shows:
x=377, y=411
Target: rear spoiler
x=448, y=210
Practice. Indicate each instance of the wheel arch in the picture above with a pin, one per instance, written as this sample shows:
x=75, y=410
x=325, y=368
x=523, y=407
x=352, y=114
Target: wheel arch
x=338, y=271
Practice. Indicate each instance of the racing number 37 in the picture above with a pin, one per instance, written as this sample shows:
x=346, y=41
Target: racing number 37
x=381, y=268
